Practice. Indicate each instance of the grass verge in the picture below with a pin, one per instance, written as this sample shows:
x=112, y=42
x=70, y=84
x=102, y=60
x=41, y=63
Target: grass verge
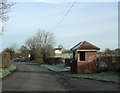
x=56, y=68
x=6, y=71
x=104, y=76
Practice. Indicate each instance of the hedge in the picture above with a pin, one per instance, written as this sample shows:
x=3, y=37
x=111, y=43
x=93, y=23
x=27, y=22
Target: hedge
x=111, y=63
x=5, y=58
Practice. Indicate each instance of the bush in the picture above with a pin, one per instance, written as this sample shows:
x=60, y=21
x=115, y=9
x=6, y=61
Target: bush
x=68, y=61
x=53, y=60
x=40, y=61
x=5, y=59
x=108, y=63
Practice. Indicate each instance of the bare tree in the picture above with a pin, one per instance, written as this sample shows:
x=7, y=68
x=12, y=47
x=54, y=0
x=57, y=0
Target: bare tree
x=117, y=51
x=4, y=10
x=31, y=43
x=41, y=39
x=44, y=38
x=108, y=51
x=41, y=44
x=24, y=51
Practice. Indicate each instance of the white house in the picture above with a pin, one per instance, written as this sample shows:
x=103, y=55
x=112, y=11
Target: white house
x=58, y=51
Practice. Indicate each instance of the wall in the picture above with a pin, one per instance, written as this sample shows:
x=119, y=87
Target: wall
x=90, y=56
x=89, y=65
x=86, y=67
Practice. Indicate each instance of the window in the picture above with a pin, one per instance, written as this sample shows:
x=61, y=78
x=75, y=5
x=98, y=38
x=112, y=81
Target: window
x=82, y=56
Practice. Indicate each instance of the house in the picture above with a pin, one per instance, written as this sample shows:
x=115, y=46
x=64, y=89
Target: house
x=58, y=51
x=84, y=57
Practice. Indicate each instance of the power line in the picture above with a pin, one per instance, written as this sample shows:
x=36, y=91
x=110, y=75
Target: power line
x=64, y=15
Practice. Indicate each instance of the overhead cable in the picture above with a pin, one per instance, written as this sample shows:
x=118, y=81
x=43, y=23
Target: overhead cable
x=59, y=22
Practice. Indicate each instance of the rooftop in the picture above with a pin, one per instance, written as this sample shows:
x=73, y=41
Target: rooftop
x=84, y=45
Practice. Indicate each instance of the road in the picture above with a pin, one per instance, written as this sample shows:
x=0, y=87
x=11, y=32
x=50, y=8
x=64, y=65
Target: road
x=31, y=77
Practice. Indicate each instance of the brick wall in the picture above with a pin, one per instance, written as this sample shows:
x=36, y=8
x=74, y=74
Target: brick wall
x=89, y=65
x=86, y=67
x=90, y=56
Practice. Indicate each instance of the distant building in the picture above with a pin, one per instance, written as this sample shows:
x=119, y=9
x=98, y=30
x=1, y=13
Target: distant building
x=84, y=57
x=58, y=51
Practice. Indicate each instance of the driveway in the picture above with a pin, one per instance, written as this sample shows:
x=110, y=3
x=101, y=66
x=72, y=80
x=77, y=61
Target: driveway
x=32, y=77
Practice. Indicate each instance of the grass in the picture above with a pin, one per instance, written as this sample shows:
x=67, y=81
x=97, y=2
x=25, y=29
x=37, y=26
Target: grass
x=56, y=68
x=6, y=71
x=104, y=76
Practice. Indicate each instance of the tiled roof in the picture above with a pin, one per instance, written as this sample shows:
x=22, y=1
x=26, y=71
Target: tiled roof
x=84, y=46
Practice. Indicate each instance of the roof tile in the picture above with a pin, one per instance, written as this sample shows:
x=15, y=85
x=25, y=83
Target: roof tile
x=84, y=46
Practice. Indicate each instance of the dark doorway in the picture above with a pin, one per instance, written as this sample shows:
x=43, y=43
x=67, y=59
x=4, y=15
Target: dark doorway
x=82, y=56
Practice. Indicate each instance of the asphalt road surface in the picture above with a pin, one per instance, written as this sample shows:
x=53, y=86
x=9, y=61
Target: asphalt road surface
x=32, y=77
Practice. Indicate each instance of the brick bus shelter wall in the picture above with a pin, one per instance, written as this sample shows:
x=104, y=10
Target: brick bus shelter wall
x=89, y=65
x=86, y=67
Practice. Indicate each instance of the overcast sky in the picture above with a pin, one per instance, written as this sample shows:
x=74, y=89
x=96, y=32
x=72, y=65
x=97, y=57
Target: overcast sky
x=95, y=22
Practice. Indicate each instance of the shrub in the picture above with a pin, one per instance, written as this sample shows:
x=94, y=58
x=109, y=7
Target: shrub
x=5, y=60
x=68, y=61
x=108, y=63
x=40, y=61
x=53, y=60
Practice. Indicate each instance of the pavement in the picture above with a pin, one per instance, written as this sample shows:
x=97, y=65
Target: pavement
x=32, y=77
